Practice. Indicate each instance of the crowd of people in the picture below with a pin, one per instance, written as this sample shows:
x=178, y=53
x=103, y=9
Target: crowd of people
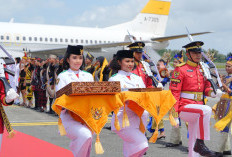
x=38, y=79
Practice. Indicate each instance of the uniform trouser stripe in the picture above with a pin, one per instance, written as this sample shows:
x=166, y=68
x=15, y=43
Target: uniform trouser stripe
x=201, y=123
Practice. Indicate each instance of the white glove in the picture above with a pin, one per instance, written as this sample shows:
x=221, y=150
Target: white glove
x=177, y=122
x=11, y=95
x=218, y=94
x=160, y=85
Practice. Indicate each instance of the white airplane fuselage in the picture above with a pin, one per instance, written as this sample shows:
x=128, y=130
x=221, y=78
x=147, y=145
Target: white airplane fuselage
x=36, y=37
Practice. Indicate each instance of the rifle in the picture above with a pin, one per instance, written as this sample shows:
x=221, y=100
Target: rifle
x=210, y=66
x=207, y=74
x=3, y=62
x=153, y=64
x=149, y=73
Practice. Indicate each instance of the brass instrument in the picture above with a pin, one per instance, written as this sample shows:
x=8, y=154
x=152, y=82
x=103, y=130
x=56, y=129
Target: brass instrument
x=163, y=72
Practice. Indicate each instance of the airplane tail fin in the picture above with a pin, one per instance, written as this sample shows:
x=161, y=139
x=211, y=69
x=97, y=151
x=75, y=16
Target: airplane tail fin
x=152, y=19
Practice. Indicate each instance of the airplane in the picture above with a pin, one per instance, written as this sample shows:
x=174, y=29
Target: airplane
x=41, y=40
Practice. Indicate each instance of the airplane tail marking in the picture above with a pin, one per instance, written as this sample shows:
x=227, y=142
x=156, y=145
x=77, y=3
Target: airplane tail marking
x=157, y=7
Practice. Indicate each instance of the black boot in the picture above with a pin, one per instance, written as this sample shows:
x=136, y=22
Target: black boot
x=173, y=145
x=219, y=154
x=201, y=148
x=227, y=152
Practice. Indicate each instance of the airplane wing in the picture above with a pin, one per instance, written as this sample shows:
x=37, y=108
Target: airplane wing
x=14, y=54
x=92, y=47
x=160, y=39
x=106, y=45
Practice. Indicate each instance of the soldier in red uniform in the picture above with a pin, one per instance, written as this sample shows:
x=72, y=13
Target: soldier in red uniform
x=137, y=47
x=188, y=86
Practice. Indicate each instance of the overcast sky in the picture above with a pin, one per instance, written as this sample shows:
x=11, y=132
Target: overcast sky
x=197, y=15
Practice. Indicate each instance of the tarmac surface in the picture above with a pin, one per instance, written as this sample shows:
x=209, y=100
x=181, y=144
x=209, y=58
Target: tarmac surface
x=44, y=126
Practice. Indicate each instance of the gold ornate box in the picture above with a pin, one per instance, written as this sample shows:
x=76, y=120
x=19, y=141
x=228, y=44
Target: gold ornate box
x=145, y=89
x=90, y=88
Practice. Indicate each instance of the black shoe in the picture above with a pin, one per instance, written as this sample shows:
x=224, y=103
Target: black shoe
x=41, y=110
x=108, y=127
x=201, y=148
x=51, y=112
x=219, y=154
x=227, y=152
x=160, y=137
x=173, y=145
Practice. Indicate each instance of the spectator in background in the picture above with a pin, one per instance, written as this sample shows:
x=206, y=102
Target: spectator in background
x=22, y=80
x=17, y=71
x=51, y=80
x=89, y=67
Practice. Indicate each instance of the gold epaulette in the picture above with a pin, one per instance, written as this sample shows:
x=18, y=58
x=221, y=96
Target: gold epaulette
x=181, y=64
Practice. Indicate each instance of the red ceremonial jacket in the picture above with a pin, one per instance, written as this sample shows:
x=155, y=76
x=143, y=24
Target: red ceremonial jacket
x=188, y=78
x=2, y=102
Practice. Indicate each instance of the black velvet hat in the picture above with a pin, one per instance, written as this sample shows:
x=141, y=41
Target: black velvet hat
x=125, y=54
x=76, y=50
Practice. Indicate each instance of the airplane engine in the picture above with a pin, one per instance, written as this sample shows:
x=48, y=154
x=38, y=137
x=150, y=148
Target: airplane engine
x=160, y=45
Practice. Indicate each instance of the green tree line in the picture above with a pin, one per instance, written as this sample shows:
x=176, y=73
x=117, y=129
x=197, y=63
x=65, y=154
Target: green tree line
x=218, y=57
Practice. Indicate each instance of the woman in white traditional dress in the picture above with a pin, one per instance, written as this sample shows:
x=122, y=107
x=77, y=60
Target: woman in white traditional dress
x=135, y=143
x=77, y=131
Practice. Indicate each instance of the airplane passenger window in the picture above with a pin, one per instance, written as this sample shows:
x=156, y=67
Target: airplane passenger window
x=71, y=40
x=56, y=40
x=86, y=41
x=46, y=39
x=82, y=41
x=24, y=38
x=7, y=38
x=100, y=41
x=30, y=38
x=104, y=41
x=66, y=40
x=41, y=39
x=50, y=39
x=76, y=40
x=108, y=41
x=35, y=38
x=61, y=40
x=91, y=41
x=2, y=37
x=17, y=38
x=95, y=41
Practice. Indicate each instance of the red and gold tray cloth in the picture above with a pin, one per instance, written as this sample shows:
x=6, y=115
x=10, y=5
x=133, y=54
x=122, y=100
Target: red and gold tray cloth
x=94, y=109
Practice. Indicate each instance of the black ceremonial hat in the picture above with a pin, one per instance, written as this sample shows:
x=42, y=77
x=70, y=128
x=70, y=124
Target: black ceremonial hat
x=89, y=56
x=60, y=57
x=194, y=46
x=137, y=46
x=76, y=50
x=125, y=54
